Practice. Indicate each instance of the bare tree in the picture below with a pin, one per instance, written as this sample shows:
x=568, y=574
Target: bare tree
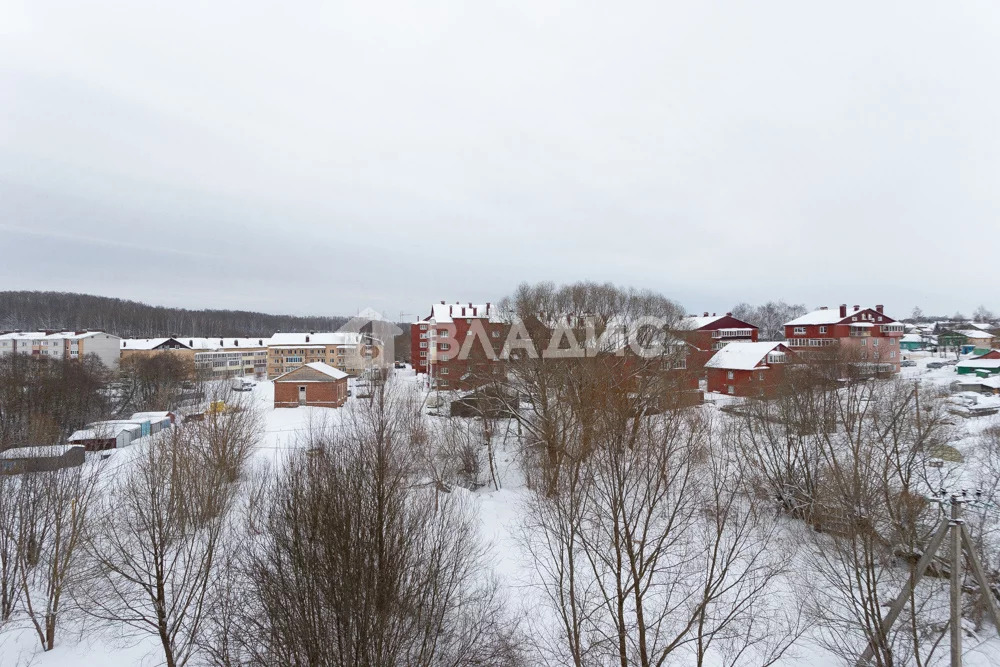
x=649, y=553
x=10, y=546
x=770, y=317
x=154, y=556
x=359, y=562
x=53, y=510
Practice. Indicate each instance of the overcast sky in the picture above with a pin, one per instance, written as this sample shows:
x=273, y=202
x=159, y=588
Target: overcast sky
x=317, y=158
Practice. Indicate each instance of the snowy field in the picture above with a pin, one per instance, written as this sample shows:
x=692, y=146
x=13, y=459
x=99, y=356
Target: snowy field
x=81, y=645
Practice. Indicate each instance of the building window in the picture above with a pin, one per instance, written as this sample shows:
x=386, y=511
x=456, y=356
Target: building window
x=822, y=330
x=864, y=342
x=423, y=345
x=880, y=318
x=423, y=336
x=732, y=389
x=443, y=333
x=729, y=375
x=444, y=371
x=444, y=346
x=875, y=342
x=760, y=376
x=800, y=331
x=423, y=354
x=496, y=334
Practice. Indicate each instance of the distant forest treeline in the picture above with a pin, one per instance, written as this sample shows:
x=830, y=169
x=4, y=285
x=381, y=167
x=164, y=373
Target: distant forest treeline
x=132, y=319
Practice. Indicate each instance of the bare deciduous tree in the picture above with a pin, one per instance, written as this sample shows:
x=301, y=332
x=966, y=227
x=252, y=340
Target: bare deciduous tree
x=154, y=556
x=53, y=510
x=359, y=562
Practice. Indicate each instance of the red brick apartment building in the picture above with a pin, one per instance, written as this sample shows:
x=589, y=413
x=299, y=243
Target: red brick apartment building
x=868, y=333
x=436, y=340
x=748, y=369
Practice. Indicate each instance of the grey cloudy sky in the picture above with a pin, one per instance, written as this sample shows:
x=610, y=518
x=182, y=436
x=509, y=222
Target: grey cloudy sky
x=319, y=157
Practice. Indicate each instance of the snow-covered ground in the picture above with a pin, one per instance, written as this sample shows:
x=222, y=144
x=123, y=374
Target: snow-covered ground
x=81, y=645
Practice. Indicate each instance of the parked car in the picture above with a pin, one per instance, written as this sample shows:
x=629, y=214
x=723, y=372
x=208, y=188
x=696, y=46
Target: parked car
x=908, y=363
x=242, y=384
x=935, y=364
x=400, y=364
x=951, y=362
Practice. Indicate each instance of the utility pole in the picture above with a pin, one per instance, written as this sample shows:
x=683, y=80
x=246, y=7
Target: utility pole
x=960, y=538
x=955, y=622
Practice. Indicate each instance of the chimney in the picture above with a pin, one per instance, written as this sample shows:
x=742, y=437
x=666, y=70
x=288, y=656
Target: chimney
x=442, y=302
x=474, y=309
x=705, y=314
x=729, y=314
x=450, y=310
x=843, y=310
x=713, y=314
x=307, y=339
x=470, y=304
x=822, y=307
x=463, y=311
x=856, y=308
x=236, y=342
x=488, y=304
x=878, y=309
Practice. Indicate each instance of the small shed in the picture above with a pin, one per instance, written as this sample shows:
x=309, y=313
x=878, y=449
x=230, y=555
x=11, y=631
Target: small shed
x=970, y=366
x=315, y=384
x=40, y=458
x=158, y=421
x=106, y=435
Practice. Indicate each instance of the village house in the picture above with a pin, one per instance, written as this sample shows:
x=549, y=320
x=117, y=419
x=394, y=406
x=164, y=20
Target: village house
x=314, y=384
x=868, y=333
x=62, y=345
x=748, y=369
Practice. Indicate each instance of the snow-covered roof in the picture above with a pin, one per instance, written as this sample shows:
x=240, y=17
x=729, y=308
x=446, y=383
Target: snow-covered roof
x=974, y=333
x=326, y=369
x=828, y=316
x=36, y=452
x=821, y=316
x=56, y=335
x=146, y=416
x=142, y=343
x=443, y=313
x=693, y=322
x=911, y=338
x=322, y=338
x=741, y=356
x=979, y=363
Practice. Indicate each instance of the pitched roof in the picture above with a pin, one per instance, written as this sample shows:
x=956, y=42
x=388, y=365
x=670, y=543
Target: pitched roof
x=693, y=322
x=832, y=316
x=325, y=369
x=741, y=356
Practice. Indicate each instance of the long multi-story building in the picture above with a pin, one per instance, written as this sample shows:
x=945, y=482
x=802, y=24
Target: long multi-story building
x=210, y=358
x=350, y=352
x=868, y=335
x=62, y=345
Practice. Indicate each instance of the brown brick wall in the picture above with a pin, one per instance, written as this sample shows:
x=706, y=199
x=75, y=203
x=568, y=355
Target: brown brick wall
x=332, y=394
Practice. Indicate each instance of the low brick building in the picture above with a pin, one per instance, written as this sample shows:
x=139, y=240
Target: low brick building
x=315, y=384
x=747, y=369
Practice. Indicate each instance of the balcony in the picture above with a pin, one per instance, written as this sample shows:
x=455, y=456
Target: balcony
x=732, y=333
x=861, y=330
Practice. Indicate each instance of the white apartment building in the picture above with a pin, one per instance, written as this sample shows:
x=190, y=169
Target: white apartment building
x=63, y=345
